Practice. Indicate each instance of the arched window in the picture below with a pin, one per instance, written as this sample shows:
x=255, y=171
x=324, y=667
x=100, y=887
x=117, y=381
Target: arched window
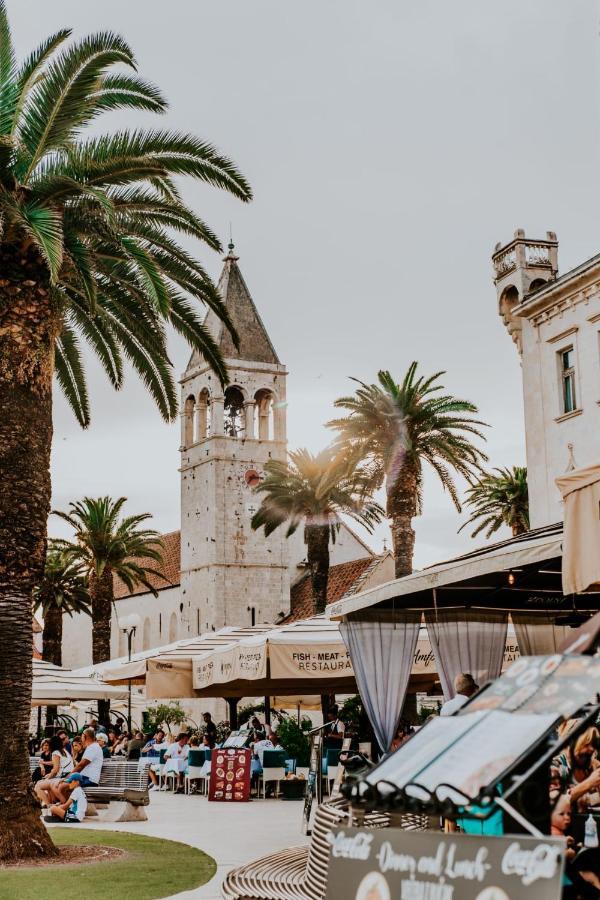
x=264, y=413
x=202, y=430
x=188, y=422
x=233, y=413
x=146, y=639
x=173, y=628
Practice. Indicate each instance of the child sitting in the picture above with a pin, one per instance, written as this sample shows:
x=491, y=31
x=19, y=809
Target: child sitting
x=74, y=808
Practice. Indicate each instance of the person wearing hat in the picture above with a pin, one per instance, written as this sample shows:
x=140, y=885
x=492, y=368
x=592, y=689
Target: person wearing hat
x=102, y=739
x=464, y=688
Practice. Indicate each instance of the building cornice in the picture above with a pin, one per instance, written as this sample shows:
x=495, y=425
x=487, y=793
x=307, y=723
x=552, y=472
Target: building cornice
x=573, y=287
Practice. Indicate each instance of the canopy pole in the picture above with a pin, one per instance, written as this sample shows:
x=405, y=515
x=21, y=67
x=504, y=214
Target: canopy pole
x=232, y=703
x=267, y=710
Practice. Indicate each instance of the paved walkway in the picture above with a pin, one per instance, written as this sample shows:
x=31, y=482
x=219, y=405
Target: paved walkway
x=231, y=833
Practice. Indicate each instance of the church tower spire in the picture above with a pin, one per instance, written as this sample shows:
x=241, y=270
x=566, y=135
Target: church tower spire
x=231, y=575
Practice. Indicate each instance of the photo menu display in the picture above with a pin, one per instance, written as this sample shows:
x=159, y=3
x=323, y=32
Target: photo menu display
x=457, y=756
x=542, y=685
x=230, y=773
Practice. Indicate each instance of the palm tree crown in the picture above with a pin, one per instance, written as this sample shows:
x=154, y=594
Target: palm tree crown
x=105, y=542
x=63, y=589
x=500, y=497
x=315, y=491
x=394, y=428
x=100, y=214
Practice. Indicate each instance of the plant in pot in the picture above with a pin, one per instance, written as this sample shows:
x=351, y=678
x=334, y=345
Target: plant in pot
x=295, y=741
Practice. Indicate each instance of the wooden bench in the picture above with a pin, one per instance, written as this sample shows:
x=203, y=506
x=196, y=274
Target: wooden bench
x=122, y=781
x=301, y=873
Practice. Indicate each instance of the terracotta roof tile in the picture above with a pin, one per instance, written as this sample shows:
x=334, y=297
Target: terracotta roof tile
x=170, y=568
x=344, y=579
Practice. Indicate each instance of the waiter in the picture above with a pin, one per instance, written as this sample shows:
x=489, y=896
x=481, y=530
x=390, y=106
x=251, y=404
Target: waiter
x=333, y=733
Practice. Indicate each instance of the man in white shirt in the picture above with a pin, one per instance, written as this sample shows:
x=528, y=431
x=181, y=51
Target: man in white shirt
x=464, y=687
x=178, y=753
x=88, y=769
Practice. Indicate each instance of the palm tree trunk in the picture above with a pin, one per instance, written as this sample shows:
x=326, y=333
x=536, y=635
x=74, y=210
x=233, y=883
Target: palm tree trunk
x=28, y=325
x=101, y=596
x=401, y=509
x=317, y=553
x=52, y=646
x=52, y=636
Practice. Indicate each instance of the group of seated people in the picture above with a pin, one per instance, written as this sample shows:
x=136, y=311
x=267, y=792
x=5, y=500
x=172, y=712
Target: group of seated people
x=66, y=767
x=574, y=792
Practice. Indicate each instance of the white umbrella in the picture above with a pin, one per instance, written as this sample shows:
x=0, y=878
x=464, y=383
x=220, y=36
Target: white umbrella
x=54, y=686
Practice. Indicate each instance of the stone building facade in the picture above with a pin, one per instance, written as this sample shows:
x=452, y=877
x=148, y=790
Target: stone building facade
x=217, y=571
x=554, y=322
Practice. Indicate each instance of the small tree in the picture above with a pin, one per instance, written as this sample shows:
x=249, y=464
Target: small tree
x=294, y=740
x=500, y=497
x=165, y=714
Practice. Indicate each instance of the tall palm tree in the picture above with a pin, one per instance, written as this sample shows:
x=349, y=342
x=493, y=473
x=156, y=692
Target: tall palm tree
x=315, y=491
x=88, y=252
x=106, y=545
x=63, y=589
x=395, y=428
x=500, y=497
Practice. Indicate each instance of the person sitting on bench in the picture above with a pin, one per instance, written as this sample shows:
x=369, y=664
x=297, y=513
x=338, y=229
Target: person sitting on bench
x=74, y=808
x=87, y=771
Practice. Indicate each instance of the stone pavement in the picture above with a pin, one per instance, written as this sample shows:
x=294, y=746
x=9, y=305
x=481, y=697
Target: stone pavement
x=232, y=833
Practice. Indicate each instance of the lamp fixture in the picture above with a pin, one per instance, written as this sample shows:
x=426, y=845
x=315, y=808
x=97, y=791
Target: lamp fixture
x=511, y=578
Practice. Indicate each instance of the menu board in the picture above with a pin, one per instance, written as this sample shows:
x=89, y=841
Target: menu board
x=230, y=772
x=542, y=684
x=457, y=756
x=381, y=863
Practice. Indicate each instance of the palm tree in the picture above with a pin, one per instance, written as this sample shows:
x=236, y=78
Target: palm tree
x=106, y=546
x=63, y=589
x=395, y=428
x=88, y=252
x=499, y=498
x=315, y=491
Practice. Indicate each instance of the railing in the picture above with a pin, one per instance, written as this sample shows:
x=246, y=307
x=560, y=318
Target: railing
x=505, y=261
x=537, y=254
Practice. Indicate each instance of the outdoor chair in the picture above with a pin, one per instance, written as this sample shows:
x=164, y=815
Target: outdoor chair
x=195, y=768
x=273, y=769
x=301, y=872
x=159, y=765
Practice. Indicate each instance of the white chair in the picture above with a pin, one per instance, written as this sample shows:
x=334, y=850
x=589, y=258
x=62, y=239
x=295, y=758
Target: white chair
x=170, y=773
x=273, y=769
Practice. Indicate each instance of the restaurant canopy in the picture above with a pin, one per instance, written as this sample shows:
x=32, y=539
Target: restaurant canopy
x=580, y=491
x=304, y=658
x=465, y=603
x=54, y=686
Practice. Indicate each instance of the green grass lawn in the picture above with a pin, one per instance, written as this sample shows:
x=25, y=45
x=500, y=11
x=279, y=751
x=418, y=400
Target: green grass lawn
x=154, y=868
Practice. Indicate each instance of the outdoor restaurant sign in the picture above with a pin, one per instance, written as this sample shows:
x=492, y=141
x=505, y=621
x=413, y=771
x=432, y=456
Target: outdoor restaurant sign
x=239, y=662
x=230, y=774
x=381, y=864
x=309, y=660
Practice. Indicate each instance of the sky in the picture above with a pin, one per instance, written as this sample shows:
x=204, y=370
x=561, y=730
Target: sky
x=389, y=146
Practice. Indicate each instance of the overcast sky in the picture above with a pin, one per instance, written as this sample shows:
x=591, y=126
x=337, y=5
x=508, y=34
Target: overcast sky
x=389, y=145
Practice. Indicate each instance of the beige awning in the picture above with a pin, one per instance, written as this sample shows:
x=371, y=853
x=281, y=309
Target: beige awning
x=55, y=686
x=507, y=556
x=580, y=491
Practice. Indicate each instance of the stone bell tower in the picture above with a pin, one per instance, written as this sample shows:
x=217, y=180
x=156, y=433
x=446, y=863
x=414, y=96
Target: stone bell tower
x=230, y=574
x=520, y=267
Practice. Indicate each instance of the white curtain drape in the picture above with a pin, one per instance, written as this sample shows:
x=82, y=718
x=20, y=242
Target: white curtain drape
x=382, y=647
x=537, y=635
x=469, y=641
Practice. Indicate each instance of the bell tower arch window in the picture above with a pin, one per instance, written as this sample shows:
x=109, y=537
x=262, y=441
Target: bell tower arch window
x=188, y=422
x=234, y=413
x=202, y=429
x=264, y=401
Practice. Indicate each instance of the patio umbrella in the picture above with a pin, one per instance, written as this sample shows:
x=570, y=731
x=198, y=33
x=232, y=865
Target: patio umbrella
x=54, y=686
x=580, y=491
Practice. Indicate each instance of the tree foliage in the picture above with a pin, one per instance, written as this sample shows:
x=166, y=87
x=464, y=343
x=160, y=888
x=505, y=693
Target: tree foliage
x=500, y=497
x=105, y=212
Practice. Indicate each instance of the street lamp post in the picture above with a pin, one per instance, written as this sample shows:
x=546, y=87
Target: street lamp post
x=128, y=625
